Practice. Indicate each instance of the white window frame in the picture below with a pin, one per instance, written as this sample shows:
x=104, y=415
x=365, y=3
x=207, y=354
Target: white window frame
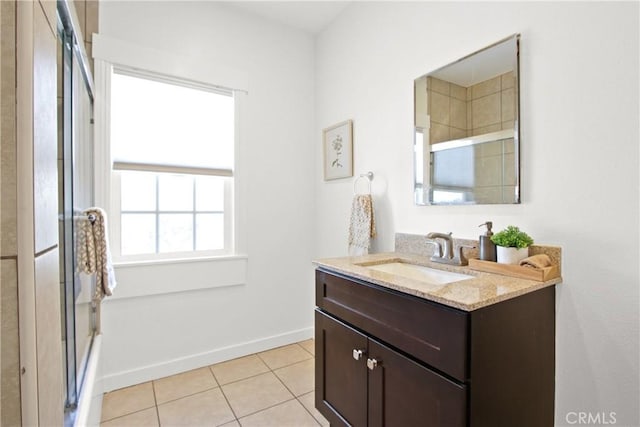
x=110, y=54
x=116, y=208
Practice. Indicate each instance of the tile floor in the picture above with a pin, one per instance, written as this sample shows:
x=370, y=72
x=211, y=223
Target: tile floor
x=272, y=388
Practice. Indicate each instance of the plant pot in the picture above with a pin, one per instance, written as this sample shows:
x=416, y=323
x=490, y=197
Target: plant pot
x=511, y=255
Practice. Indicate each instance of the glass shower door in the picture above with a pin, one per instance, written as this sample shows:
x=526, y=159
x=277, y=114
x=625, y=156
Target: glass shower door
x=75, y=170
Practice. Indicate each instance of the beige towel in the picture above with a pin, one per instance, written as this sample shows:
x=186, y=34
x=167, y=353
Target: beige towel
x=94, y=255
x=536, y=261
x=362, y=227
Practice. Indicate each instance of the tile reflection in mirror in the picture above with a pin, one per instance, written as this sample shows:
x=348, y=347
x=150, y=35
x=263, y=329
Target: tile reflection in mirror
x=467, y=129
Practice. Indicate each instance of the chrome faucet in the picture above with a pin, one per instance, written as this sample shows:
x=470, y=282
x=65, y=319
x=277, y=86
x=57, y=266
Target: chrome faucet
x=444, y=253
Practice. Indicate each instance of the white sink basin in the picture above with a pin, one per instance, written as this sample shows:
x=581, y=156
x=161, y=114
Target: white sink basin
x=419, y=272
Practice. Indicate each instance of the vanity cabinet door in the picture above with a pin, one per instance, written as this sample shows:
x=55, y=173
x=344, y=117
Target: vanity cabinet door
x=405, y=393
x=341, y=372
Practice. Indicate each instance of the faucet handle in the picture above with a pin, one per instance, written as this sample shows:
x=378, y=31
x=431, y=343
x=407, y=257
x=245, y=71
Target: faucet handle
x=463, y=260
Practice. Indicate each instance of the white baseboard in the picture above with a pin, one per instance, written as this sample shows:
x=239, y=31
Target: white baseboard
x=171, y=367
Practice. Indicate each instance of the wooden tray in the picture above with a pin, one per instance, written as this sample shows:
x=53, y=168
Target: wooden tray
x=538, y=274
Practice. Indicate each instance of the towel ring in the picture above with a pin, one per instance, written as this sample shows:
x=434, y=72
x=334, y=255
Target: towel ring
x=369, y=176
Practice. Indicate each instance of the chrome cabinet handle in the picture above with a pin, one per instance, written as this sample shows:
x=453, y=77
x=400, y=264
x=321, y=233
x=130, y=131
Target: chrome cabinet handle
x=357, y=354
x=372, y=364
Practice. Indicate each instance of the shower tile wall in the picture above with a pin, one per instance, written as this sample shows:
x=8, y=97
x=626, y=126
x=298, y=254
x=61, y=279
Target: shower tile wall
x=8, y=126
x=9, y=338
x=45, y=146
x=457, y=112
x=87, y=11
x=447, y=106
x=50, y=398
x=28, y=150
x=491, y=105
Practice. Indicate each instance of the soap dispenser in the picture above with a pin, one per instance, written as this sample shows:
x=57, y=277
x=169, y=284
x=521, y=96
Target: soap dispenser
x=487, y=247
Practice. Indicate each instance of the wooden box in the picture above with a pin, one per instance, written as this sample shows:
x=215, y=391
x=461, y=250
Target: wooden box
x=537, y=274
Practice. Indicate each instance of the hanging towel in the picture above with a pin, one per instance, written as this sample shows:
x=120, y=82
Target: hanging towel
x=362, y=227
x=94, y=255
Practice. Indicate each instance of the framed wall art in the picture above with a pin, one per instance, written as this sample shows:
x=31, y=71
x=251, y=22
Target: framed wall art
x=337, y=147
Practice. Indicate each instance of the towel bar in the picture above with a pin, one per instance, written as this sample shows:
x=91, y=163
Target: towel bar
x=369, y=176
x=90, y=217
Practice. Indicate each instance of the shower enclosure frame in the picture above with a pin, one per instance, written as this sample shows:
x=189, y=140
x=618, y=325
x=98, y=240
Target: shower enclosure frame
x=77, y=87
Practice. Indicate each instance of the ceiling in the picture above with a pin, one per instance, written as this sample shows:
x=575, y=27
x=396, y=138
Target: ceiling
x=481, y=65
x=309, y=16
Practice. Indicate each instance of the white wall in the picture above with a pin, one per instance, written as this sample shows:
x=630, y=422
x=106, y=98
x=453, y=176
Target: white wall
x=579, y=112
x=147, y=336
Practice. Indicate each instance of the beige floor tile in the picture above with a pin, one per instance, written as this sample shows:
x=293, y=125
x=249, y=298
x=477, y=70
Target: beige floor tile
x=146, y=418
x=255, y=394
x=231, y=424
x=298, y=378
x=288, y=414
x=184, y=384
x=283, y=356
x=239, y=369
x=127, y=401
x=309, y=345
x=208, y=408
x=308, y=400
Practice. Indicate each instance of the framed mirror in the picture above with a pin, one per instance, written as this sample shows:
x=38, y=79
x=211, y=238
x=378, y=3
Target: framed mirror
x=467, y=129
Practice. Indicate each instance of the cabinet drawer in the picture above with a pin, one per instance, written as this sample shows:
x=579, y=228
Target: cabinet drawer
x=430, y=332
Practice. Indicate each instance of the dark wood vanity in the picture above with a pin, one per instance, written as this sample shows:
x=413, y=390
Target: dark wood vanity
x=386, y=358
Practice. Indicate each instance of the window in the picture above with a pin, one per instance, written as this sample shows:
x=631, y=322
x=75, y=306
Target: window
x=172, y=144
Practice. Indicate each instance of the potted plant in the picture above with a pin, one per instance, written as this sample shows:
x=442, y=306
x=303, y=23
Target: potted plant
x=512, y=245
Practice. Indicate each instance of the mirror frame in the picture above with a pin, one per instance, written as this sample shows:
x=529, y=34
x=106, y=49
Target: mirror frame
x=423, y=194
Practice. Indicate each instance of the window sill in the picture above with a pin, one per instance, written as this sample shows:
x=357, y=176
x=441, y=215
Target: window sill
x=157, y=277
x=186, y=260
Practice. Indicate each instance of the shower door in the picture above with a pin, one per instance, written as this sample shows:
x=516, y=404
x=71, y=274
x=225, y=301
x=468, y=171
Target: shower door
x=75, y=173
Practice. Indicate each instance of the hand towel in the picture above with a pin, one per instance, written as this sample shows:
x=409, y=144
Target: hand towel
x=94, y=255
x=536, y=261
x=362, y=227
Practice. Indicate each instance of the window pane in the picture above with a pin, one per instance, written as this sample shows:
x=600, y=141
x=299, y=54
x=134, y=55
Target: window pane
x=175, y=232
x=210, y=193
x=176, y=192
x=138, y=191
x=138, y=234
x=210, y=231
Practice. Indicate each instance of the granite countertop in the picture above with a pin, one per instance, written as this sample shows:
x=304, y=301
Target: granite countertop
x=482, y=290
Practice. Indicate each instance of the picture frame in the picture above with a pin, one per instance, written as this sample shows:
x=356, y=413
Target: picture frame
x=337, y=148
